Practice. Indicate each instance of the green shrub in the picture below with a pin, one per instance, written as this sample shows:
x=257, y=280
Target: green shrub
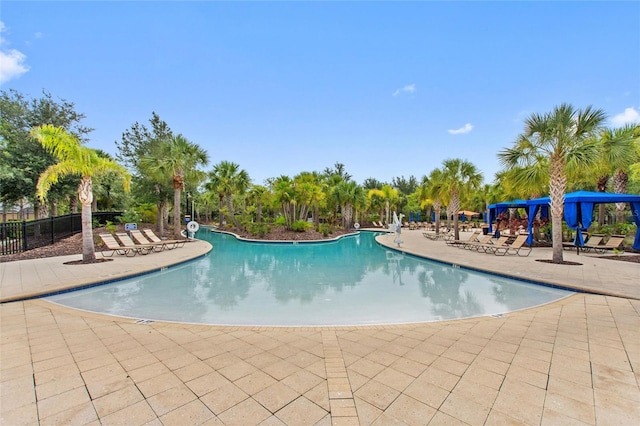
x=616, y=228
x=111, y=227
x=258, y=229
x=301, y=226
x=325, y=229
x=129, y=216
x=280, y=221
x=147, y=212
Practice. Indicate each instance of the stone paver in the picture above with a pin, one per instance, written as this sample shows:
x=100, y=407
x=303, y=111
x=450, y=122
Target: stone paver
x=574, y=361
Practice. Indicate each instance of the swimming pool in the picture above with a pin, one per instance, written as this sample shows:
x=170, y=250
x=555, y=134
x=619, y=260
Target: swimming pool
x=352, y=281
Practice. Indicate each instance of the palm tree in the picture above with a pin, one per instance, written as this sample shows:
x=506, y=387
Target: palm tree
x=347, y=195
x=284, y=196
x=229, y=179
x=75, y=159
x=459, y=178
x=175, y=157
x=258, y=194
x=563, y=137
x=618, y=153
x=435, y=191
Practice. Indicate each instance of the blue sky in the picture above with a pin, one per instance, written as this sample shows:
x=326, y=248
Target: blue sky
x=386, y=88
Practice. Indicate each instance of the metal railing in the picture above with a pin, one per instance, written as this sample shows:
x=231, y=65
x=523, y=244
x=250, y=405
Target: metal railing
x=16, y=237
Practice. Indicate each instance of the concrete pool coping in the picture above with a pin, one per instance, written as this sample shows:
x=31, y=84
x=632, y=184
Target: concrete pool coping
x=572, y=361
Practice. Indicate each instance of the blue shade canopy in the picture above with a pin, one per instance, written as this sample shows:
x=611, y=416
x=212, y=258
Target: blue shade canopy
x=578, y=210
x=497, y=208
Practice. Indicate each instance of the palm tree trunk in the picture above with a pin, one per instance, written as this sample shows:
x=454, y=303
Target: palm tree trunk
x=346, y=214
x=387, y=212
x=557, y=187
x=455, y=207
x=601, y=186
x=177, y=229
x=231, y=212
x=85, y=195
x=88, y=250
x=436, y=208
x=220, y=204
x=620, y=182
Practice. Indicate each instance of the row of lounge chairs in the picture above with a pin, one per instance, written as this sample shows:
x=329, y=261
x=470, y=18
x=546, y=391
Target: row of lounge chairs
x=146, y=241
x=504, y=245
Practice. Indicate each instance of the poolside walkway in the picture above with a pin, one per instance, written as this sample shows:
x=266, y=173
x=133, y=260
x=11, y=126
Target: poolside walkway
x=575, y=361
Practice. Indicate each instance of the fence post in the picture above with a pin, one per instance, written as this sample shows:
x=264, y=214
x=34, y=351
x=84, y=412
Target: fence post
x=24, y=235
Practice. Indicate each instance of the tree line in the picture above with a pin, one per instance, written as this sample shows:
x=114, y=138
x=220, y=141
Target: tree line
x=560, y=151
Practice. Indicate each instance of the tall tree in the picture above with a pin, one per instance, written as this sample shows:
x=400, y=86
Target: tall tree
x=175, y=157
x=284, y=197
x=388, y=195
x=436, y=192
x=22, y=158
x=151, y=184
x=459, y=179
x=405, y=186
x=617, y=155
x=339, y=169
x=228, y=179
x=259, y=195
x=348, y=195
x=564, y=137
x=75, y=159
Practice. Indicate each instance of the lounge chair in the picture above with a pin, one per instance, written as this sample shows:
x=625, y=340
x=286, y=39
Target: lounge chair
x=444, y=235
x=472, y=238
x=114, y=247
x=140, y=239
x=515, y=247
x=614, y=242
x=486, y=239
x=127, y=242
x=170, y=244
x=486, y=248
x=594, y=241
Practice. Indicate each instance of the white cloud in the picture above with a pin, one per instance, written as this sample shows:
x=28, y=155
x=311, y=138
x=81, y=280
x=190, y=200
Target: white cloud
x=12, y=61
x=462, y=130
x=409, y=88
x=629, y=116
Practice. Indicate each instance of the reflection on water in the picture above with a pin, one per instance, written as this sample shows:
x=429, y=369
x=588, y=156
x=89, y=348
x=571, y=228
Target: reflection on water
x=350, y=281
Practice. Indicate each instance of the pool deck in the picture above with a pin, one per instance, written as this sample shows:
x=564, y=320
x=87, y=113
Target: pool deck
x=575, y=361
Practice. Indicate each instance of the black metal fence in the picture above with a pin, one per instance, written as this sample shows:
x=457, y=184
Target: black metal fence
x=16, y=237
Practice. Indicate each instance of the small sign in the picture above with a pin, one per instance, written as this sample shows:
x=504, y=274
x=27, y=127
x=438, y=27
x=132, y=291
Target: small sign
x=130, y=226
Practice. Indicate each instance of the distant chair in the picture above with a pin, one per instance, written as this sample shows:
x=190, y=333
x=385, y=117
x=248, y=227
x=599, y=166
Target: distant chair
x=486, y=239
x=592, y=243
x=613, y=243
x=472, y=238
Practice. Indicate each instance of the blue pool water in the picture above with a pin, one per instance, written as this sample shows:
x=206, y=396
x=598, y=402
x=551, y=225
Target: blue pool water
x=352, y=281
